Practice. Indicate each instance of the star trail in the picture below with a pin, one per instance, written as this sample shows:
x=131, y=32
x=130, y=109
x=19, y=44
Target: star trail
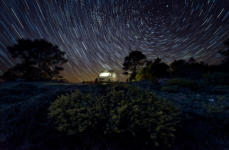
x=98, y=34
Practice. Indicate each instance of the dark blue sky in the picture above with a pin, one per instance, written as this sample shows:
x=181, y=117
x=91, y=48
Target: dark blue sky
x=98, y=34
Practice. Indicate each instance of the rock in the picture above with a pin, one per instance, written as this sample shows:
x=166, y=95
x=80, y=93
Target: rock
x=211, y=100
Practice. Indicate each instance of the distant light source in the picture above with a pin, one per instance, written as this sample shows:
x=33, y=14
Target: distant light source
x=114, y=75
x=104, y=74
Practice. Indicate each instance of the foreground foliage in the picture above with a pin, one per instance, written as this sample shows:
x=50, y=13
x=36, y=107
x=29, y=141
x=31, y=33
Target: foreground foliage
x=123, y=111
x=24, y=124
x=176, y=84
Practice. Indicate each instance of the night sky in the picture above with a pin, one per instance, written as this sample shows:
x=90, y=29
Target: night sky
x=98, y=34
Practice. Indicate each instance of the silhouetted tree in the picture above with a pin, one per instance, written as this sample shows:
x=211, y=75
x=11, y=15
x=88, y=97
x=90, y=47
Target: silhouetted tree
x=134, y=62
x=38, y=60
x=153, y=70
x=178, y=68
x=192, y=60
x=189, y=69
x=160, y=69
x=226, y=52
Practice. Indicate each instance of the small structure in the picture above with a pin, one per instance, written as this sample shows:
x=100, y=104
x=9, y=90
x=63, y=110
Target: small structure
x=107, y=76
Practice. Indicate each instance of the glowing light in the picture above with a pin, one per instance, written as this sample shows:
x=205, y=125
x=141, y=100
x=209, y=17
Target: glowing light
x=114, y=75
x=104, y=74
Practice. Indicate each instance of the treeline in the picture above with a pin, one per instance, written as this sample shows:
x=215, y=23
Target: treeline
x=139, y=68
x=178, y=69
x=40, y=60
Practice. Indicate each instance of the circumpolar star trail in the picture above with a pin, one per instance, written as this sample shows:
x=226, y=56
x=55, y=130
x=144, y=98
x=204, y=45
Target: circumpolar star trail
x=98, y=34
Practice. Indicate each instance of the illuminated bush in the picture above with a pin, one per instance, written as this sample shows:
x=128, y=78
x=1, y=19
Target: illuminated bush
x=122, y=111
x=73, y=113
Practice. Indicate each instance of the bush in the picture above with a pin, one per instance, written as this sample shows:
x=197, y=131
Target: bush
x=153, y=71
x=170, y=89
x=219, y=89
x=217, y=78
x=184, y=83
x=123, y=111
x=219, y=109
x=218, y=114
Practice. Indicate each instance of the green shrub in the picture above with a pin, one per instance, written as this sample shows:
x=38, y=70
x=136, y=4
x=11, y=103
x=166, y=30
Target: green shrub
x=170, y=89
x=123, y=111
x=184, y=83
x=217, y=78
x=219, y=108
x=219, y=89
x=145, y=74
x=73, y=112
